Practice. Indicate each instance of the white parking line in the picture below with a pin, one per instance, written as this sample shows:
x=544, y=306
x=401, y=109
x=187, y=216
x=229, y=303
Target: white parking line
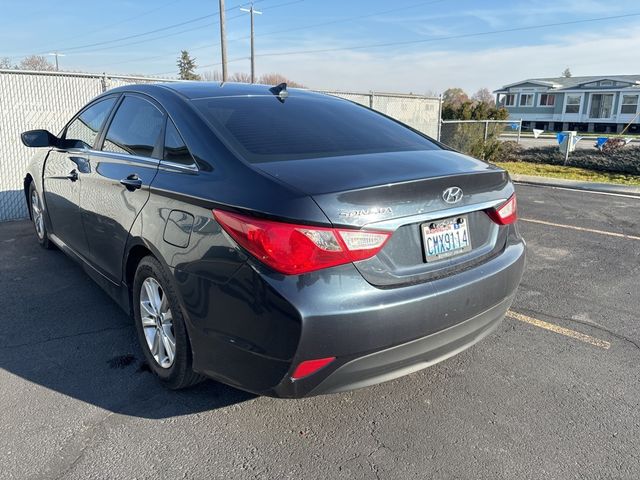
x=596, y=342
x=581, y=229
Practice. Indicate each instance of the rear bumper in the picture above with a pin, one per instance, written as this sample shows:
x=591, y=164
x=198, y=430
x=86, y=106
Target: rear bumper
x=265, y=324
x=410, y=357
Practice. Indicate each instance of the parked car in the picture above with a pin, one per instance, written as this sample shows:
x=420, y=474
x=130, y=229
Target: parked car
x=281, y=241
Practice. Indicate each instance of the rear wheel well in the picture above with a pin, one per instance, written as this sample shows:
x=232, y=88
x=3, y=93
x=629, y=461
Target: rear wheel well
x=137, y=253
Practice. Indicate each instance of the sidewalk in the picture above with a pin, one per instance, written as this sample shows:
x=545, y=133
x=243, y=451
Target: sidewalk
x=576, y=185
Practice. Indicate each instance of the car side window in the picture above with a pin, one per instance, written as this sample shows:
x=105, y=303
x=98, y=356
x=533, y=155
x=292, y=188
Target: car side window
x=175, y=149
x=135, y=128
x=88, y=124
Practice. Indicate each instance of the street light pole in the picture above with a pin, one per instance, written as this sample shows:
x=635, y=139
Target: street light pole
x=253, y=51
x=223, y=41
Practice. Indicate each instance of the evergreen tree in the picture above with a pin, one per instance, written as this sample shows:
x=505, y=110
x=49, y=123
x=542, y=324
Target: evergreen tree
x=186, y=67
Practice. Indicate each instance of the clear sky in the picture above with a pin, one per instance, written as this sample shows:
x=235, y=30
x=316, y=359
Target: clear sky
x=446, y=43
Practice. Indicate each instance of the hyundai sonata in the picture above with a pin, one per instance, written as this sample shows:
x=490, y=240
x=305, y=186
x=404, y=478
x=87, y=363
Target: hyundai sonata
x=281, y=241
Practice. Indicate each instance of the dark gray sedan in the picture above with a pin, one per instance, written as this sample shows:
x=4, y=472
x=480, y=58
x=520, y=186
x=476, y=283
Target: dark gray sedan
x=281, y=241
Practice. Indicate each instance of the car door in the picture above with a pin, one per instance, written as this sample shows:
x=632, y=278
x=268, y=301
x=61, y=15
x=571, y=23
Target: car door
x=117, y=187
x=63, y=175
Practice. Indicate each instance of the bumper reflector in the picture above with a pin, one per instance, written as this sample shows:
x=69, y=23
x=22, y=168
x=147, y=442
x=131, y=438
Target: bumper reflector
x=308, y=367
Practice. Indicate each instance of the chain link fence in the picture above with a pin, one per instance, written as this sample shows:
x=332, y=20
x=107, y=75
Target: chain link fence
x=473, y=136
x=31, y=100
x=417, y=111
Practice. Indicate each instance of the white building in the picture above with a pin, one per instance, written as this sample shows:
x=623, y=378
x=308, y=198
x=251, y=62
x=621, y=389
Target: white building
x=605, y=104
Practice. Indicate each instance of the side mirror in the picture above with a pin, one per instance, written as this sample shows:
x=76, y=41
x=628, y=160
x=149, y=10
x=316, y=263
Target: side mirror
x=39, y=138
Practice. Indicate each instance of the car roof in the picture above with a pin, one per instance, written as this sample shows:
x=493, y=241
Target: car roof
x=194, y=90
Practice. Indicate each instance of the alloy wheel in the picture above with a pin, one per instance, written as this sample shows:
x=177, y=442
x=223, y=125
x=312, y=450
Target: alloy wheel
x=36, y=214
x=157, y=322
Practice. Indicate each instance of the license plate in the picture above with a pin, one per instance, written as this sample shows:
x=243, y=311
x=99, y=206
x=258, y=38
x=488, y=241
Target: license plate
x=445, y=238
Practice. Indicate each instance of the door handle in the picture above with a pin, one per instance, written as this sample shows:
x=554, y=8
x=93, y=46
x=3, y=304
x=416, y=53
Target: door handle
x=132, y=182
x=73, y=175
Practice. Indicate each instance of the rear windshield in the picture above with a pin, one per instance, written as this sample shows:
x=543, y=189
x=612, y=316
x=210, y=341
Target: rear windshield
x=263, y=129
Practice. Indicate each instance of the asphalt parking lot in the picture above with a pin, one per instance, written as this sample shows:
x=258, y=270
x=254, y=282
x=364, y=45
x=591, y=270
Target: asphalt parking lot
x=553, y=394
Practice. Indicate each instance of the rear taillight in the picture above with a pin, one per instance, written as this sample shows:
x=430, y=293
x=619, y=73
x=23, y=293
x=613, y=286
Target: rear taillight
x=506, y=213
x=295, y=249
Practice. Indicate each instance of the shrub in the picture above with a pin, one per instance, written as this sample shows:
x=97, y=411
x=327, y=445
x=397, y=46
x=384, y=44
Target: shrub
x=624, y=160
x=506, y=152
x=613, y=145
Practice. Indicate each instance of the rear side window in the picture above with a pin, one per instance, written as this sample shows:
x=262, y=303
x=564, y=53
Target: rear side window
x=88, y=124
x=135, y=128
x=175, y=150
x=263, y=129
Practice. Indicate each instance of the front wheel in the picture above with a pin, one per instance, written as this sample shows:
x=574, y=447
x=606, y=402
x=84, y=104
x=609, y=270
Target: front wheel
x=37, y=216
x=160, y=326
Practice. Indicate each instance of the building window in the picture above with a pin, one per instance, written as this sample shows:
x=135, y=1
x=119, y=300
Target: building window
x=629, y=104
x=547, y=100
x=526, y=99
x=573, y=104
x=507, y=99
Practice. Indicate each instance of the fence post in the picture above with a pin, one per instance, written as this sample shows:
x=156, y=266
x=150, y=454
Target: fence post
x=519, y=132
x=486, y=130
x=103, y=81
x=371, y=94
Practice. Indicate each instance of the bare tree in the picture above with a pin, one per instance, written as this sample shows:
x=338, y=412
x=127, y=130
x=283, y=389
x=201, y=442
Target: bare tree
x=276, y=79
x=484, y=95
x=240, y=77
x=36, y=62
x=454, y=97
x=212, y=76
x=567, y=73
x=5, y=62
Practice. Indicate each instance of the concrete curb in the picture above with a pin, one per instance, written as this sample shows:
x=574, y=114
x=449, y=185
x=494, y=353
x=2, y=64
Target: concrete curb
x=576, y=185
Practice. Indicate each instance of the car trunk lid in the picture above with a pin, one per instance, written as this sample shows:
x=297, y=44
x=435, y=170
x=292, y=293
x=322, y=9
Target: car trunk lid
x=402, y=192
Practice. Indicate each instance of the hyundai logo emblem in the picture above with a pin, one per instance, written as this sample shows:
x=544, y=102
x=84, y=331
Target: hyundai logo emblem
x=452, y=195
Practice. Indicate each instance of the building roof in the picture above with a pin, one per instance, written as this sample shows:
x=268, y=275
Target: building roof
x=565, y=83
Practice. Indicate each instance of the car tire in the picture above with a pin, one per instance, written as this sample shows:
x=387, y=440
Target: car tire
x=160, y=326
x=37, y=218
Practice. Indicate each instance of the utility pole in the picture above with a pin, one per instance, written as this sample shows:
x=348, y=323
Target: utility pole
x=56, y=54
x=223, y=42
x=251, y=11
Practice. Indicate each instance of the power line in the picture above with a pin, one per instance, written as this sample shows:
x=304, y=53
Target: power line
x=217, y=64
x=137, y=35
x=304, y=27
x=450, y=37
x=206, y=25
x=165, y=55
x=433, y=39
x=129, y=19
x=347, y=19
x=143, y=14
